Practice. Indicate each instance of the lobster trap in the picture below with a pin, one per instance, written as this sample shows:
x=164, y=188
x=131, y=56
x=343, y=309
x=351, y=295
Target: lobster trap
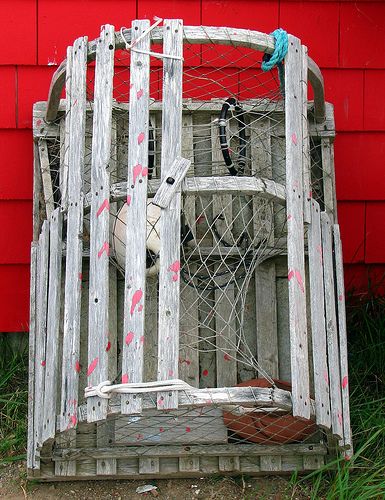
x=187, y=297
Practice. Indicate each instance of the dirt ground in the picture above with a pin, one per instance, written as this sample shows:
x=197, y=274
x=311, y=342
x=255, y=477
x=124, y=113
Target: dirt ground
x=15, y=486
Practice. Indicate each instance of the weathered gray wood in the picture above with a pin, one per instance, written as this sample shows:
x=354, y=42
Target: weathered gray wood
x=340, y=296
x=282, y=291
x=306, y=167
x=31, y=356
x=313, y=462
x=135, y=277
x=53, y=320
x=270, y=463
x=266, y=315
x=171, y=184
x=98, y=325
x=190, y=464
x=148, y=465
x=46, y=177
x=37, y=189
x=41, y=331
x=295, y=237
x=65, y=136
x=318, y=327
x=330, y=202
x=317, y=82
x=331, y=327
x=229, y=464
x=169, y=273
x=72, y=299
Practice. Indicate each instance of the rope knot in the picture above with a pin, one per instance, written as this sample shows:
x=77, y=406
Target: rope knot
x=280, y=50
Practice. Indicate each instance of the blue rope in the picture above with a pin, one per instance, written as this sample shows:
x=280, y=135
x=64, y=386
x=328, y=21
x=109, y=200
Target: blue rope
x=280, y=50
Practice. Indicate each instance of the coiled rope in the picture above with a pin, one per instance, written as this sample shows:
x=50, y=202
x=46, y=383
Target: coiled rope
x=276, y=58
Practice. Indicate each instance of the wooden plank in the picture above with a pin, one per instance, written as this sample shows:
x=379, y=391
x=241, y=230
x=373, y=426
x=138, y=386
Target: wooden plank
x=46, y=177
x=229, y=464
x=266, y=315
x=135, y=276
x=270, y=463
x=328, y=178
x=340, y=293
x=331, y=327
x=148, y=465
x=98, y=323
x=318, y=327
x=31, y=357
x=313, y=462
x=53, y=324
x=36, y=192
x=171, y=184
x=72, y=299
x=295, y=237
x=65, y=137
x=190, y=464
x=168, y=331
x=306, y=160
x=41, y=331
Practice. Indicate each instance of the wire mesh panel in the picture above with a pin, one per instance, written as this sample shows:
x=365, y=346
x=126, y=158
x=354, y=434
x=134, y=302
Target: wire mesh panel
x=196, y=362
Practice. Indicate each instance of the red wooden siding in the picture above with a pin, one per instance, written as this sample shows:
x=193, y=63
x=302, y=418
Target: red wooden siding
x=345, y=38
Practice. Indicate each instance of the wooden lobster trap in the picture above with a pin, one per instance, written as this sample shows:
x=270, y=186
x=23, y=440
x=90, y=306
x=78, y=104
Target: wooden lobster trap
x=187, y=297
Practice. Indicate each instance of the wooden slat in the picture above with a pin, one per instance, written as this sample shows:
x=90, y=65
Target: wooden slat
x=148, y=465
x=330, y=202
x=295, y=237
x=135, y=277
x=169, y=297
x=331, y=327
x=171, y=184
x=72, y=299
x=305, y=140
x=189, y=464
x=318, y=327
x=340, y=292
x=46, y=177
x=270, y=463
x=229, y=464
x=53, y=324
x=98, y=325
x=64, y=137
x=41, y=331
x=31, y=356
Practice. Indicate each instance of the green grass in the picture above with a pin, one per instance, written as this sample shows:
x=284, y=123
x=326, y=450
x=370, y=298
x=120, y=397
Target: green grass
x=13, y=400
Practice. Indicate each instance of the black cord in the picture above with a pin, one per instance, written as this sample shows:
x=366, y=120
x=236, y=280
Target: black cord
x=240, y=117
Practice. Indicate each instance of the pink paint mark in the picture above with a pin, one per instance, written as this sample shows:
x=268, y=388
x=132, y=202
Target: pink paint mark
x=175, y=268
x=200, y=220
x=326, y=377
x=160, y=402
x=77, y=366
x=345, y=382
x=289, y=217
x=347, y=458
x=226, y=357
x=128, y=200
x=205, y=373
x=125, y=378
x=341, y=297
x=339, y=418
x=319, y=250
x=92, y=366
x=188, y=429
x=171, y=373
x=74, y=420
x=141, y=340
x=140, y=138
x=129, y=338
x=136, y=171
x=104, y=206
x=105, y=248
x=139, y=437
x=43, y=363
x=108, y=346
x=187, y=361
x=310, y=194
x=38, y=122
x=139, y=94
x=294, y=138
x=80, y=276
x=136, y=298
x=290, y=276
x=299, y=280
x=140, y=308
x=161, y=429
x=144, y=172
x=174, y=277
x=131, y=84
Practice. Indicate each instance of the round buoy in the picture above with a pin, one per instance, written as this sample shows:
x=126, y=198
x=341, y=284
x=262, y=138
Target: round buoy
x=271, y=428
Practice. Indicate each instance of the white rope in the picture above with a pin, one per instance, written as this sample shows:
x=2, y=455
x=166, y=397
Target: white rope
x=106, y=389
x=131, y=46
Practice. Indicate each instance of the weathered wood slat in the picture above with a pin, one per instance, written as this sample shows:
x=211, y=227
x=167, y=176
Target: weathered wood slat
x=31, y=356
x=169, y=274
x=306, y=161
x=65, y=137
x=328, y=178
x=137, y=173
x=295, y=237
x=340, y=292
x=46, y=177
x=41, y=331
x=171, y=184
x=318, y=327
x=98, y=325
x=331, y=327
x=53, y=324
x=72, y=299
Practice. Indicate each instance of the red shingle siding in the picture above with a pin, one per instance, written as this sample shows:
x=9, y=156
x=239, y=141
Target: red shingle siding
x=347, y=39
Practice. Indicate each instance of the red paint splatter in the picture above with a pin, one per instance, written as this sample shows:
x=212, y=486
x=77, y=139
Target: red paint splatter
x=226, y=357
x=144, y=172
x=205, y=373
x=74, y=420
x=77, y=366
x=38, y=122
x=80, y=276
x=92, y=366
x=294, y=138
x=105, y=248
x=188, y=429
x=326, y=377
x=136, y=298
x=175, y=268
x=160, y=402
x=140, y=138
x=339, y=418
x=171, y=373
x=140, y=308
x=104, y=206
x=139, y=94
x=129, y=338
x=310, y=194
x=347, y=458
x=290, y=275
x=125, y=378
x=345, y=382
x=43, y=363
x=141, y=340
x=108, y=346
x=128, y=200
x=136, y=171
x=161, y=429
